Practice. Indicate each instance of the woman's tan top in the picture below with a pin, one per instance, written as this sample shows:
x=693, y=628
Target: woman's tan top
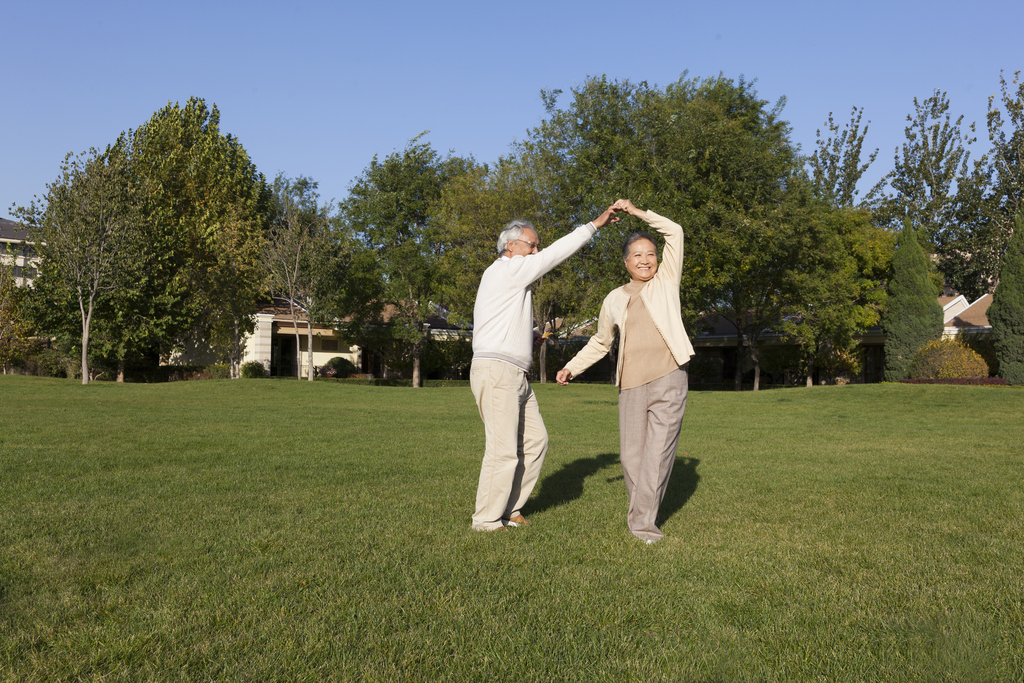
x=645, y=355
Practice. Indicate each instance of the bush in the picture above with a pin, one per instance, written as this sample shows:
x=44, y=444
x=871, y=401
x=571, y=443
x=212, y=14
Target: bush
x=219, y=371
x=338, y=368
x=43, y=361
x=253, y=370
x=947, y=359
x=984, y=345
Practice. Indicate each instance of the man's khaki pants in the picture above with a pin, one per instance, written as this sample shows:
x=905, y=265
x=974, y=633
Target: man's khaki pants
x=516, y=441
x=649, y=420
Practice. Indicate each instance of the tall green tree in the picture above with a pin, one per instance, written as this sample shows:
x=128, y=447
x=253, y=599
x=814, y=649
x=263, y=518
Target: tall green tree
x=836, y=166
x=913, y=315
x=927, y=168
x=708, y=153
x=207, y=209
x=748, y=201
x=391, y=208
x=936, y=188
x=989, y=203
x=1006, y=314
x=88, y=231
x=1007, y=139
x=473, y=208
x=837, y=286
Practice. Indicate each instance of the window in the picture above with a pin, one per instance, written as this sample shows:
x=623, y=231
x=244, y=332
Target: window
x=329, y=345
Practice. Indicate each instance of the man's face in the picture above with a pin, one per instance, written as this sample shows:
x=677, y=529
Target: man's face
x=527, y=244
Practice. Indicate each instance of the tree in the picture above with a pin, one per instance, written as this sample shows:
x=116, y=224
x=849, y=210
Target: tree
x=837, y=286
x=1006, y=314
x=234, y=285
x=473, y=208
x=708, y=153
x=913, y=315
x=927, y=168
x=12, y=317
x=933, y=186
x=991, y=200
x=89, y=230
x=297, y=255
x=206, y=210
x=194, y=272
x=747, y=193
x=391, y=208
x=836, y=166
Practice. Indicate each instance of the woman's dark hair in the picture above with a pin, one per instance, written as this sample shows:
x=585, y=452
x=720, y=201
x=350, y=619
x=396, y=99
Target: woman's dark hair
x=633, y=238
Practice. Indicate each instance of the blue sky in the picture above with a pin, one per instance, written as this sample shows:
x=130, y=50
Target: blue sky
x=318, y=88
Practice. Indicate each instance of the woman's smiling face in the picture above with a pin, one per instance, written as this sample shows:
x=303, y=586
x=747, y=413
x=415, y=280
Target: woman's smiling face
x=642, y=260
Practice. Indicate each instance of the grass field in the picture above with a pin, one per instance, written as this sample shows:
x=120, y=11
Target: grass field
x=268, y=530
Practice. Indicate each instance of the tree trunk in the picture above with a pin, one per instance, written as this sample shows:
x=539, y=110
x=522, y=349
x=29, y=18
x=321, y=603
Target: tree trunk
x=236, y=350
x=85, y=354
x=298, y=347
x=417, y=381
x=738, y=375
x=86, y=323
x=310, y=372
x=542, y=357
x=120, y=370
x=810, y=372
x=757, y=366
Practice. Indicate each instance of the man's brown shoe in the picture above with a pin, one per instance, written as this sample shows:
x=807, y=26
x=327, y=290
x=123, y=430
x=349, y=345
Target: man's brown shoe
x=518, y=520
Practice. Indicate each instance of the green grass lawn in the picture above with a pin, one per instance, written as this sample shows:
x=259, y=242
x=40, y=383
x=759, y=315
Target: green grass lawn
x=267, y=530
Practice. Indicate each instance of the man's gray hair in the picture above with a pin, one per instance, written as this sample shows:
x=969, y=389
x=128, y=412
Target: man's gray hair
x=512, y=232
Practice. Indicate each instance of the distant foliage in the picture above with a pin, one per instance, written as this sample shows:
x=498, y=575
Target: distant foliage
x=947, y=359
x=708, y=368
x=253, y=370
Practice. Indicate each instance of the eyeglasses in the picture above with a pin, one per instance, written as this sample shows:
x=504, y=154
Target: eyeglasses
x=532, y=245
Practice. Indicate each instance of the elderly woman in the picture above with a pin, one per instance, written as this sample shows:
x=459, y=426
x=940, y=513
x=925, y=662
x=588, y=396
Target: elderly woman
x=651, y=371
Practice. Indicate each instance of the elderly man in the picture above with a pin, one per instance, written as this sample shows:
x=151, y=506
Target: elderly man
x=516, y=440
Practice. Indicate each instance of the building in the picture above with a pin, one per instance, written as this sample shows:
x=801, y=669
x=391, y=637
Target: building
x=15, y=248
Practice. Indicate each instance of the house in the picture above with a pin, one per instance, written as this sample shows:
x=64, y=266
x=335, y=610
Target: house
x=273, y=344
x=273, y=341
x=14, y=248
x=959, y=316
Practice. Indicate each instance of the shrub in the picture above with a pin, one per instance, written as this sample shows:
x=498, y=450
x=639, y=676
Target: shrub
x=219, y=371
x=338, y=367
x=984, y=345
x=947, y=359
x=253, y=370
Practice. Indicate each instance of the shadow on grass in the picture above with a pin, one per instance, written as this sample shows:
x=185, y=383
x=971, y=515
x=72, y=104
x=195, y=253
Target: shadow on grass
x=566, y=485
x=681, y=487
